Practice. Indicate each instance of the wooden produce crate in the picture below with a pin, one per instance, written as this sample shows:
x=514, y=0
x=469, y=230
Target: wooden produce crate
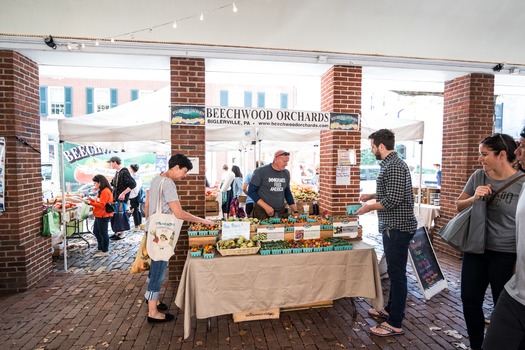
x=300, y=205
x=201, y=240
x=256, y=315
x=323, y=303
x=212, y=208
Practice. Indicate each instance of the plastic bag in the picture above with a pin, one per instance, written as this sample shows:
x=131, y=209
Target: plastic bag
x=51, y=221
x=142, y=260
x=84, y=211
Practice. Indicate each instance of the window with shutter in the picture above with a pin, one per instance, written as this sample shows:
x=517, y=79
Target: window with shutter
x=247, y=99
x=261, y=97
x=90, y=100
x=43, y=101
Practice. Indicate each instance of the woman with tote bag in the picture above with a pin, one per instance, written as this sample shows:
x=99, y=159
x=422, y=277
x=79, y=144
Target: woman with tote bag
x=496, y=264
x=178, y=165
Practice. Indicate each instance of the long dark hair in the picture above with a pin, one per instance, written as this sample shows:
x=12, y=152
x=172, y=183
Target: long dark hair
x=104, y=183
x=237, y=171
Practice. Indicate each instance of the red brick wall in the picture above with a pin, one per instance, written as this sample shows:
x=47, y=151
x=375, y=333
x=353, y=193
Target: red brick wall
x=188, y=88
x=340, y=92
x=468, y=117
x=25, y=255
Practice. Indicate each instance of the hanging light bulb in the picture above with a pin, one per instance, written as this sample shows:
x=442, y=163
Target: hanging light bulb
x=202, y=16
x=83, y=45
x=234, y=8
x=112, y=40
x=132, y=36
x=174, y=24
x=150, y=29
x=96, y=42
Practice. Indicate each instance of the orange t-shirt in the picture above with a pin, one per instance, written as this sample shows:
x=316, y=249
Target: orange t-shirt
x=99, y=203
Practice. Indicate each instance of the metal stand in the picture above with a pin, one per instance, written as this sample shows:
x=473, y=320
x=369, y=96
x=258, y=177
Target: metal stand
x=75, y=225
x=354, y=313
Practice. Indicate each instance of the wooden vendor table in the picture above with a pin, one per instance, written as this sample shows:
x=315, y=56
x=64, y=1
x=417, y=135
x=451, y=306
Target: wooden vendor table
x=225, y=285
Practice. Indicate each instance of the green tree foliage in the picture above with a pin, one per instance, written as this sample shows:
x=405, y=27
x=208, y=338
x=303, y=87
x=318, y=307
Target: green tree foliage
x=367, y=157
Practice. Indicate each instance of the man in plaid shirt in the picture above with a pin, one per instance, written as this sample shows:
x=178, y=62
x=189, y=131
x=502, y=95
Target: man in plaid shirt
x=397, y=223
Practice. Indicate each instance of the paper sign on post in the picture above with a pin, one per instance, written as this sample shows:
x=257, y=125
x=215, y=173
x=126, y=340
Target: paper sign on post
x=234, y=229
x=271, y=233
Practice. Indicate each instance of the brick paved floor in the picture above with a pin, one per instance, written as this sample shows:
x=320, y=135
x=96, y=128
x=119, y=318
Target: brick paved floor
x=98, y=304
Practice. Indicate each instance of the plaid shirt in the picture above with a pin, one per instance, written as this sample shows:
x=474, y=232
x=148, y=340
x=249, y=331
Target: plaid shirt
x=394, y=192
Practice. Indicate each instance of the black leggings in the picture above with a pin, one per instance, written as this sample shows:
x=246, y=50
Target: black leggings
x=137, y=215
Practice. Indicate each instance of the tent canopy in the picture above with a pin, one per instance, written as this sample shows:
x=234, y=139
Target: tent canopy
x=144, y=125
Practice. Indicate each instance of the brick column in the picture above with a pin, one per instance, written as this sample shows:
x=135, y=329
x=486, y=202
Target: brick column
x=25, y=255
x=188, y=88
x=340, y=92
x=468, y=117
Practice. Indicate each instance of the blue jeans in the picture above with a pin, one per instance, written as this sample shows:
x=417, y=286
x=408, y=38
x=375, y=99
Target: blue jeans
x=477, y=271
x=100, y=230
x=157, y=273
x=507, y=325
x=395, y=244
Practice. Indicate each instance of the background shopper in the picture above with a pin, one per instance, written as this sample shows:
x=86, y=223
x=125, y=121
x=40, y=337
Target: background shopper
x=102, y=217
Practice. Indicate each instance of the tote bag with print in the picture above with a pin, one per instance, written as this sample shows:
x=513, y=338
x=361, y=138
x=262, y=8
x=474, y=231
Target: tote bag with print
x=163, y=232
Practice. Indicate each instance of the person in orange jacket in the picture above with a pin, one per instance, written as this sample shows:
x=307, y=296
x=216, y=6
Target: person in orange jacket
x=102, y=217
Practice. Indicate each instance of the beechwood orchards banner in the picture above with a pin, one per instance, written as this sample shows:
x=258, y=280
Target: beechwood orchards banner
x=258, y=117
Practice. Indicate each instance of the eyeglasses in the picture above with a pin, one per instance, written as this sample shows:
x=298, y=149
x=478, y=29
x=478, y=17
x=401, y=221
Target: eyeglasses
x=522, y=133
x=286, y=154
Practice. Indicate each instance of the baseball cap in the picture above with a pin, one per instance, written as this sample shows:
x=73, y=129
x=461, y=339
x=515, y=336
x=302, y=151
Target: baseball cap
x=114, y=159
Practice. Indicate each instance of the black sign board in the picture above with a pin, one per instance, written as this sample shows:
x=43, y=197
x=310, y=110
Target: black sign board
x=425, y=264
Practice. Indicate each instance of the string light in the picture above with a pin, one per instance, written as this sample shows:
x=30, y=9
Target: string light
x=174, y=24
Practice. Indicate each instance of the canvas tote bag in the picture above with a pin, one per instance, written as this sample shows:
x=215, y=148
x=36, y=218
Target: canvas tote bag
x=466, y=231
x=163, y=232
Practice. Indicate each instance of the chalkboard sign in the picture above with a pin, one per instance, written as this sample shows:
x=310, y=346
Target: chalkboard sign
x=425, y=264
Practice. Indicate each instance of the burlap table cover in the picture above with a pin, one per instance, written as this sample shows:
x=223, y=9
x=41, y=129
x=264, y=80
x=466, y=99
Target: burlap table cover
x=224, y=285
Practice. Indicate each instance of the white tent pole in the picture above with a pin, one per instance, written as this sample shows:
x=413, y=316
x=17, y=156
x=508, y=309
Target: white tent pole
x=257, y=144
x=63, y=189
x=420, y=174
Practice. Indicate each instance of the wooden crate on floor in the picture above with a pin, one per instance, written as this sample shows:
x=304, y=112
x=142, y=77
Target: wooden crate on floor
x=323, y=303
x=256, y=315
